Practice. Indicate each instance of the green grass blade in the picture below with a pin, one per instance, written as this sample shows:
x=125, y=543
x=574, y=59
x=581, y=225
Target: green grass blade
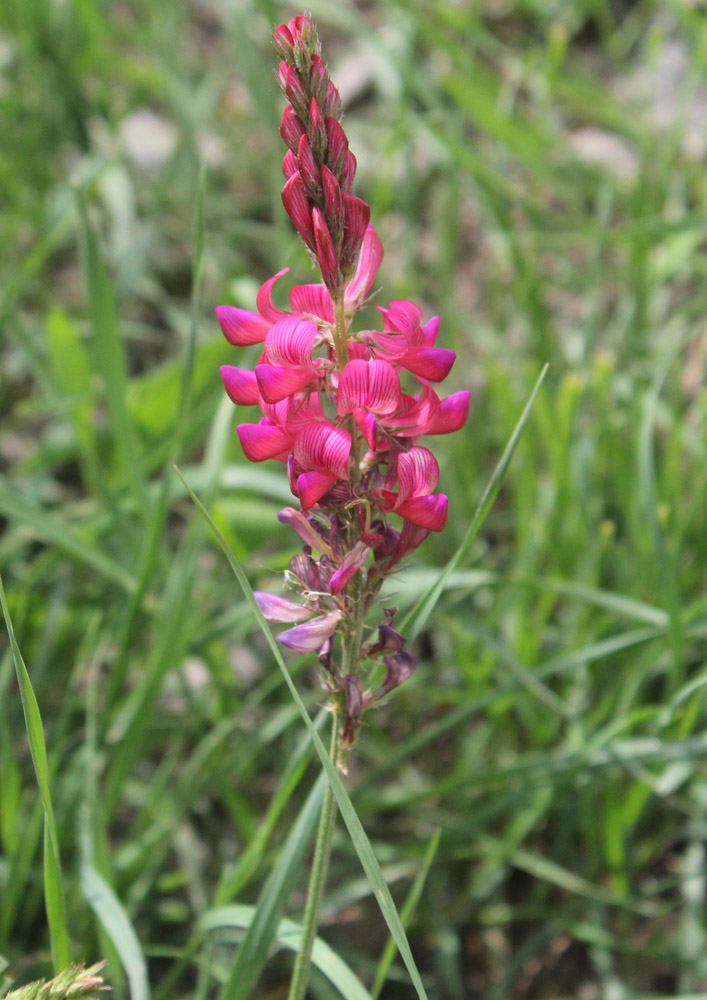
x=109, y=358
x=253, y=951
x=359, y=839
x=116, y=923
x=406, y=913
x=288, y=935
x=53, y=891
x=416, y=619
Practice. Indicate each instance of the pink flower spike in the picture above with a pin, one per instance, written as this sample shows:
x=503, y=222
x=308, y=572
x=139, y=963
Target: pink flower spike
x=240, y=326
x=309, y=535
x=241, y=385
x=350, y=564
x=279, y=609
x=262, y=441
x=311, y=636
x=311, y=487
x=369, y=261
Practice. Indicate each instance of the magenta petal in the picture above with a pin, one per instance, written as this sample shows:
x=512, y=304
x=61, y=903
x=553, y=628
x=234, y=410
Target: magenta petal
x=264, y=300
x=452, y=414
x=353, y=387
x=350, y=564
x=240, y=326
x=312, y=635
x=309, y=535
x=402, y=316
x=312, y=300
x=320, y=445
x=369, y=261
x=430, y=330
x=418, y=473
x=262, y=441
x=240, y=384
x=427, y=512
x=279, y=609
x=277, y=382
x=311, y=486
x=384, y=387
x=290, y=342
x=433, y=363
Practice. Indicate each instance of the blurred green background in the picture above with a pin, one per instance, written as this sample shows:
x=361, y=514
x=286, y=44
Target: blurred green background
x=537, y=173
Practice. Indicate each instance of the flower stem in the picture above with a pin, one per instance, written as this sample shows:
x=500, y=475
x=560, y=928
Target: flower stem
x=342, y=354
x=317, y=878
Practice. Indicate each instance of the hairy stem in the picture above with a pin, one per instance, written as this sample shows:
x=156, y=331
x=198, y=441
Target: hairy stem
x=317, y=878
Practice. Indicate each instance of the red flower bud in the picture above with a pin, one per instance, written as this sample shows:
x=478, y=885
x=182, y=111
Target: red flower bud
x=291, y=128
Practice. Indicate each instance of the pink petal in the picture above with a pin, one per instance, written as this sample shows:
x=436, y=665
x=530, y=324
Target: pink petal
x=418, y=473
x=433, y=363
x=311, y=487
x=452, y=414
x=427, y=512
x=384, y=387
x=309, y=535
x=240, y=326
x=322, y=446
x=369, y=261
x=277, y=382
x=262, y=441
x=312, y=635
x=240, y=384
x=279, y=609
x=290, y=342
x=312, y=300
x=402, y=316
x=350, y=564
x=294, y=198
x=372, y=385
x=264, y=299
x=430, y=330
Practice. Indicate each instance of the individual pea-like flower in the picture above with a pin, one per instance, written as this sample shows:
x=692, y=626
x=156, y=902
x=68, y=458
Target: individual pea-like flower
x=344, y=409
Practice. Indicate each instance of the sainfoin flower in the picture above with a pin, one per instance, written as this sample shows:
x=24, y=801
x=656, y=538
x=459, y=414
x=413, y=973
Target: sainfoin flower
x=344, y=409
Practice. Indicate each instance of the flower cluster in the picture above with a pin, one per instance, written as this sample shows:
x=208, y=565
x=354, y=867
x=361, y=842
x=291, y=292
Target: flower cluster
x=344, y=409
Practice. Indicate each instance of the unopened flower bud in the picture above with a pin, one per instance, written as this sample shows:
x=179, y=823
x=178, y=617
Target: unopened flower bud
x=399, y=666
x=353, y=696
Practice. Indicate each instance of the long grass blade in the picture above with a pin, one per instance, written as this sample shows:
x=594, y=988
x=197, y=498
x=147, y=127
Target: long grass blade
x=53, y=886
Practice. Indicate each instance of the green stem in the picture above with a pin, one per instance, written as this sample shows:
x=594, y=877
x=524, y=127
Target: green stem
x=317, y=878
x=342, y=354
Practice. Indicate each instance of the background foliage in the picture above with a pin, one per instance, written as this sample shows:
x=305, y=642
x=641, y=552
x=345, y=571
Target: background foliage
x=537, y=173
